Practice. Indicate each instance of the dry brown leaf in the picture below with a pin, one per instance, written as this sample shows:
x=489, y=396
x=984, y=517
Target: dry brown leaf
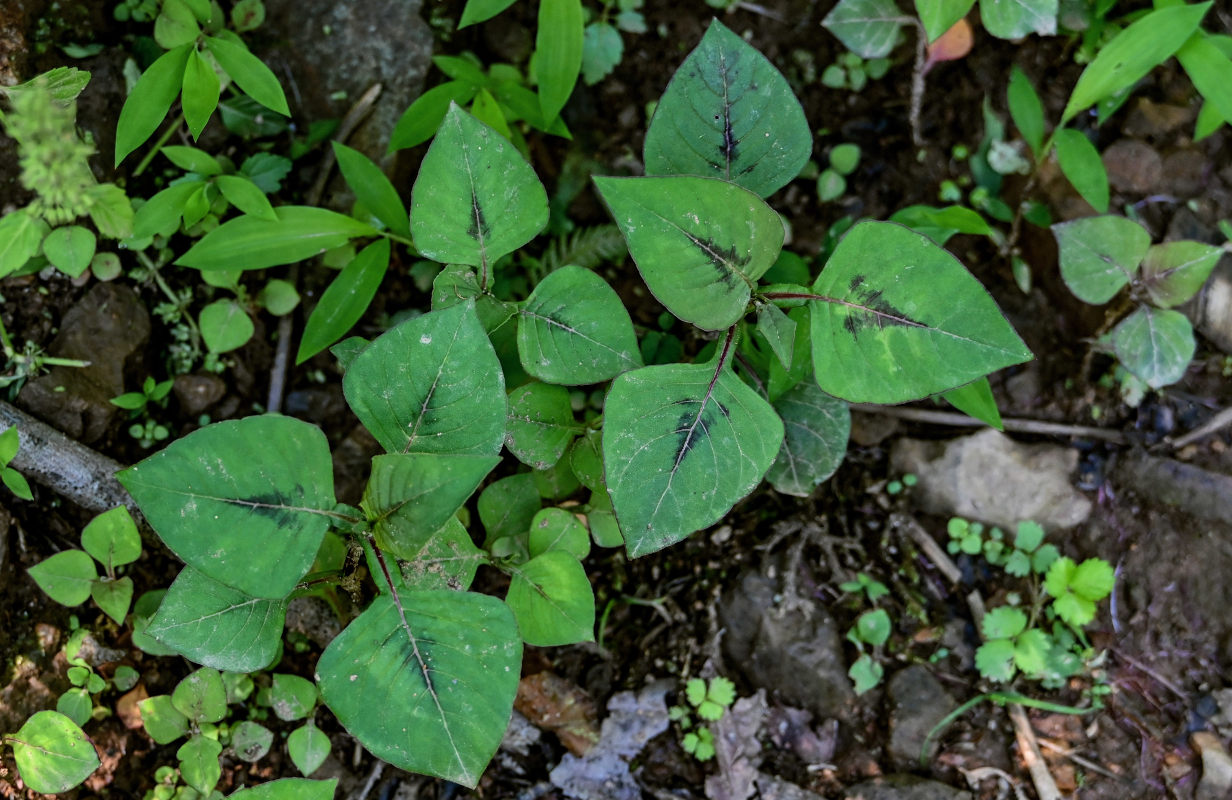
x=554, y=704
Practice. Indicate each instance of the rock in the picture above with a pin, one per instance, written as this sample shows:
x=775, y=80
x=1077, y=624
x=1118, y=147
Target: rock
x=990, y=477
x=917, y=703
x=335, y=51
x=1157, y=121
x=772, y=788
x=792, y=650
x=738, y=749
x=904, y=787
x=1196, y=491
x=1133, y=166
x=1184, y=174
x=1211, y=309
x=869, y=430
x=197, y=392
x=1216, y=767
x=106, y=327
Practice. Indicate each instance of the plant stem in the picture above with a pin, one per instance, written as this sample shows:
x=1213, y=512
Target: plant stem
x=158, y=146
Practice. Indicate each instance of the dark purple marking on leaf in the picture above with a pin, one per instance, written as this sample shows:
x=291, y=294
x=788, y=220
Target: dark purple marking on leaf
x=691, y=427
x=479, y=229
x=271, y=506
x=721, y=259
x=870, y=309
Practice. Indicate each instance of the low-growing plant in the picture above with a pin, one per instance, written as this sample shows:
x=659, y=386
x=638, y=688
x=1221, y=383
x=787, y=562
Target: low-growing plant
x=709, y=701
x=832, y=182
x=71, y=577
x=872, y=628
x=10, y=443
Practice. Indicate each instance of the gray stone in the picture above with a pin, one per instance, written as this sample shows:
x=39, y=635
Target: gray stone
x=1196, y=491
x=197, y=392
x=772, y=788
x=918, y=702
x=334, y=48
x=107, y=327
x=1216, y=767
x=1211, y=309
x=990, y=477
x=792, y=650
x=904, y=787
x=1133, y=166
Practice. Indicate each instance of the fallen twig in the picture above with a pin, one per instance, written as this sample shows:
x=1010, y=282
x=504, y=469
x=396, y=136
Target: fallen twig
x=928, y=544
x=1221, y=420
x=1045, y=786
x=1013, y=424
x=1085, y=763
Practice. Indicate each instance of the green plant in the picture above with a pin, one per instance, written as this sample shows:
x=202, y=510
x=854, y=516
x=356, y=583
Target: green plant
x=14, y=480
x=851, y=72
x=709, y=701
x=71, y=577
x=832, y=183
x=872, y=628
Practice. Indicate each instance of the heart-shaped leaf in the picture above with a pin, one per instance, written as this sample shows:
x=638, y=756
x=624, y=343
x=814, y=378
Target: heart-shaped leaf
x=1173, y=272
x=700, y=243
x=242, y=501
x=540, y=425
x=903, y=319
x=552, y=600
x=869, y=28
x=1013, y=19
x=290, y=788
x=816, y=427
x=728, y=113
x=1155, y=344
x=1099, y=255
x=427, y=686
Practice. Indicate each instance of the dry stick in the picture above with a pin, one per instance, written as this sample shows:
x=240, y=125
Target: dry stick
x=1221, y=420
x=1086, y=763
x=1013, y=424
x=282, y=355
x=917, y=84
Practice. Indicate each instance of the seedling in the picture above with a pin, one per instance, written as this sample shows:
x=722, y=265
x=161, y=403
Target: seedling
x=872, y=628
x=71, y=577
x=853, y=73
x=832, y=183
x=709, y=702
x=14, y=480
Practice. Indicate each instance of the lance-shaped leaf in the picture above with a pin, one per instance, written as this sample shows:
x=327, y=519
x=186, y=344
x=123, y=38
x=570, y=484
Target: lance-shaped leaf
x=217, y=626
x=681, y=445
x=700, y=243
x=432, y=384
x=1099, y=255
x=903, y=319
x=869, y=28
x=1155, y=344
x=428, y=687
x=447, y=559
x=1173, y=272
x=345, y=300
x=411, y=496
x=575, y=330
x=552, y=600
x=475, y=199
x=242, y=501
x=299, y=232
x=816, y=427
x=728, y=113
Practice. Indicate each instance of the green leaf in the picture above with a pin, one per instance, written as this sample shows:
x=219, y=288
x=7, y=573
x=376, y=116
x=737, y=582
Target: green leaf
x=574, y=330
x=558, y=53
x=113, y=597
x=1031, y=651
x=176, y=26
x=419, y=122
x=1099, y=255
x=1074, y=610
x=242, y=501
x=62, y=83
x=540, y=425
x=199, y=765
x=447, y=559
x=1004, y=622
x=1133, y=53
x=278, y=297
x=412, y=496
x=69, y=248
x=432, y=384
x=1029, y=536
x=873, y=627
x=251, y=740
x=21, y=234
x=995, y=660
x=1043, y=558
x=201, y=696
x=266, y=170
x=161, y=213
x=308, y=748
x=779, y=331
x=682, y=445
x=201, y=92
x=16, y=483
x=245, y=195
x=344, y=300
x=300, y=232
x=225, y=325
x=586, y=461
x=976, y=400
x=481, y=10
x=256, y=79
x=110, y=210
x=66, y=577
x=53, y=754
x=869, y=28
x=602, y=49
x=10, y=443
x=143, y=611
x=903, y=319
x=816, y=427
x=217, y=626
x=865, y=673
x=1173, y=272
x=190, y=159
x=556, y=482
x=1013, y=19
x=162, y=721
x=507, y=507
x=150, y=100
x=429, y=687
x=475, y=199
x=728, y=113
x=290, y=788
x=939, y=16
x=552, y=601
x=1026, y=108
x=112, y=538
x=939, y=224
x=1156, y=345
x=1081, y=164
x=372, y=188
x=292, y=697
x=77, y=705
x=1093, y=579
x=699, y=243
x=558, y=529
x=1208, y=67
x=487, y=110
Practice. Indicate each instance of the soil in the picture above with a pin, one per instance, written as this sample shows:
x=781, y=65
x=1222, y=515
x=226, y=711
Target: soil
x=1166, y=635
